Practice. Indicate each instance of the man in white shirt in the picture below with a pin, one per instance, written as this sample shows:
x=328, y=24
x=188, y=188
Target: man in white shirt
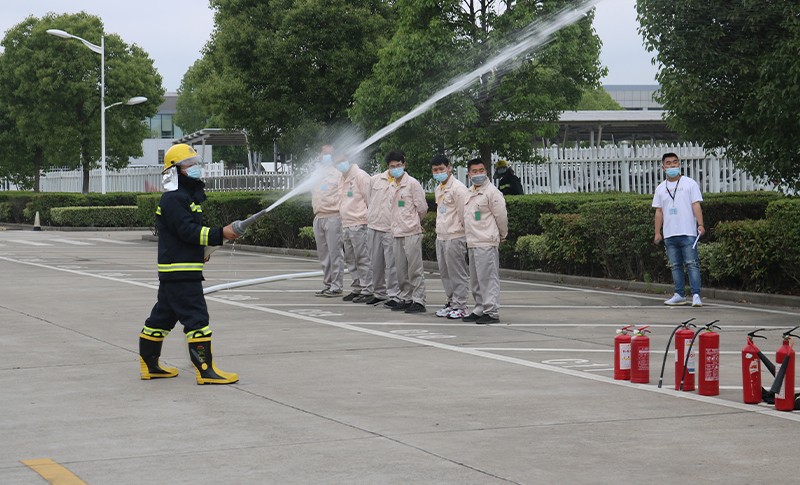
x=679, y=223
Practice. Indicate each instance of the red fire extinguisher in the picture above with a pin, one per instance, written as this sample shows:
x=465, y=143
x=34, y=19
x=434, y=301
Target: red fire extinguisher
x=784, y=380
x=689, y=354
x=683, y=338
x=751, y=369
x=680, y=326
x=708, y=375
x=622, y=354
x=640, y=356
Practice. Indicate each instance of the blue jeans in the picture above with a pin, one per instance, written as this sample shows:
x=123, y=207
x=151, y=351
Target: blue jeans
x=680, y=253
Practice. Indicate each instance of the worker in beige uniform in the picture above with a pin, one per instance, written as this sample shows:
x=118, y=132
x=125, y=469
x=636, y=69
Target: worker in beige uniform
x=451, y=243
x=354, y=196
x=485, y=226
x=381, y=241
x=408, y=208
x=328, y=224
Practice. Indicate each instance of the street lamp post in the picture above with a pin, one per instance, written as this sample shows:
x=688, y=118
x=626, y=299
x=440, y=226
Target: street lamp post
x=99, y=49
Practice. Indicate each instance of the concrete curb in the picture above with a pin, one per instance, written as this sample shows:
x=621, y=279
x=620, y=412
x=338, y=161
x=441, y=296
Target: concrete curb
x=29, y=227
x=572, y=280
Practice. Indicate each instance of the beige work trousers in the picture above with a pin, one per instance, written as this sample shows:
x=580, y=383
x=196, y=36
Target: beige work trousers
x=356, y=254
x=328, y=235
x=383, y=273
x=451, y=254
x=484, y=279
x=408, y=262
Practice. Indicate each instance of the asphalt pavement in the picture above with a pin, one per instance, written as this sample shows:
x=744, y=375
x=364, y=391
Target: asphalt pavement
x=343, y=393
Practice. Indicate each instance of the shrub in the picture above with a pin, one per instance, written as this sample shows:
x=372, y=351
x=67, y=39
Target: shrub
x=565, y=244
x=112, y=216
x=783, y=217
x=146, y=208
x=621, y=236
x=306, y=238
x=532, y=252
x=747, y=255
x=280, y=227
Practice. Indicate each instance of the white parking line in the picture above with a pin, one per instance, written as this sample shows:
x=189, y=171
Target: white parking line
x=29, y=243
x=70, y=241
x=112, y=241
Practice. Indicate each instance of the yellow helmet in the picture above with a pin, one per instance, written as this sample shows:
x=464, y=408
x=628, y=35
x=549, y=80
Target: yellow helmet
x=501, y=163
x=177, y=154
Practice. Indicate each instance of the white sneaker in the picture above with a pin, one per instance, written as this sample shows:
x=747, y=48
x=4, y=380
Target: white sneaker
x=444, y=311
x=696, y=301
x=676, y=300
x=457, y=314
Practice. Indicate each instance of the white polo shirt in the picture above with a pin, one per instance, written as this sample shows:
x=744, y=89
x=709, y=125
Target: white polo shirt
x=675, y=200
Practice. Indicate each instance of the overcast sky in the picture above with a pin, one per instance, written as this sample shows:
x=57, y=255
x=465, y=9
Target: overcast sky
x=173, y=32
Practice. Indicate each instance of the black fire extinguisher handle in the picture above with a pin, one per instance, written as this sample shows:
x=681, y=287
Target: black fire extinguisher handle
x=776, y=386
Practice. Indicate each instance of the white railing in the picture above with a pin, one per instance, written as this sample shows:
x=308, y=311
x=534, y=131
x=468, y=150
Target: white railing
x=148, y=179
x=612, y=168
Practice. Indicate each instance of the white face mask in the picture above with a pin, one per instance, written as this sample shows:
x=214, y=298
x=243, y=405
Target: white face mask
x=479, y=179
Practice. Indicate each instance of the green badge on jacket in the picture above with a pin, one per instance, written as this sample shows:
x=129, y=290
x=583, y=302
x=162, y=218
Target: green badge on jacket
x=401, y=203
x=477, y=215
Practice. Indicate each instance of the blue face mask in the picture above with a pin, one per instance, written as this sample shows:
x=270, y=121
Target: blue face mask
x=501, y=171
x=397, y=172
x=343, y=166
x=327, y=159
x=440, y=177
x=673, y=172
x=479, y=179
x=194, y=172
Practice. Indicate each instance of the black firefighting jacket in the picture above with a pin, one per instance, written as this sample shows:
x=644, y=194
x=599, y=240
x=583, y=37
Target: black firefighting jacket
x=181, y=233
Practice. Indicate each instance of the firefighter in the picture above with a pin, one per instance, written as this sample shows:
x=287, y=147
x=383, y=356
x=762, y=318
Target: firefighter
x=182, y=243
x=509, y=183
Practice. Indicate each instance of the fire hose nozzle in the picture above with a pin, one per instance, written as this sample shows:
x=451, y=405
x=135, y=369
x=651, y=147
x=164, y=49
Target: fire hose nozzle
x=238, y=227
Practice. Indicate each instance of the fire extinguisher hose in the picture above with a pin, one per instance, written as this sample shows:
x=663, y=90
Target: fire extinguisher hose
x=669, y=343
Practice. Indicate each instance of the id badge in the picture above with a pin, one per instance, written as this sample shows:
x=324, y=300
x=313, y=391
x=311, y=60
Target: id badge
x=349, y=193
x=401, y=203
x=442, y=209
x=673, y=211
x=477, y=215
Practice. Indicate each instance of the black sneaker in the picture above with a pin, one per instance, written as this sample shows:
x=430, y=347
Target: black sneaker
x=401, y=306
x=486, y=319
x=362, y=298
x=391, y=304
x=351, y=296
x=416, y=308
x=472, y=317
x=375, y=300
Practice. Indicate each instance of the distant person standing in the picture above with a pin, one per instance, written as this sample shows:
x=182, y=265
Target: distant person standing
x=451, y=243
x=354, y=196
x=485, y=226
x=408, y=208
x=679, y=223
x=328, y=224
x=509, y=183
x=381, y=241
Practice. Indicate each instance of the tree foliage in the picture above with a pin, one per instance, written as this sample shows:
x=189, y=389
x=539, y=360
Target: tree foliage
x=597, y=99
x=729, y=74
x=50, y=91
x=281, y=69
x=437, y=40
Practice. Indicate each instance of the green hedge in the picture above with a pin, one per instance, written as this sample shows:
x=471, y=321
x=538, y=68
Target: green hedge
x=112, y=216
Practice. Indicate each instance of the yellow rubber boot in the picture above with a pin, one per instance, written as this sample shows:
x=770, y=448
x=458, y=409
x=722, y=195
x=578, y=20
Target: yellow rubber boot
x=149, y=352
x=207, y=372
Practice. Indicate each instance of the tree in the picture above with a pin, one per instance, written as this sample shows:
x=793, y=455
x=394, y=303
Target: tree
x=597, y=99
x=279, y=66
x=729, y=75
x=50, y=87
x=436, y=41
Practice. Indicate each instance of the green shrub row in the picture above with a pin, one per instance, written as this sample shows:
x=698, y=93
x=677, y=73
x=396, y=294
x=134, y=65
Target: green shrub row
x=21, y=207
x=111, y=216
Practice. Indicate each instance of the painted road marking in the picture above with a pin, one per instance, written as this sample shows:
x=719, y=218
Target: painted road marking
x=29, y=243
x=112, y=241
x=53, y=472
x=472, y=352
x=71, y=241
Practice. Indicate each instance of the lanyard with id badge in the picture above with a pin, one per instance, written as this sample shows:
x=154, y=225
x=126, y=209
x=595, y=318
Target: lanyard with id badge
x=673, y=211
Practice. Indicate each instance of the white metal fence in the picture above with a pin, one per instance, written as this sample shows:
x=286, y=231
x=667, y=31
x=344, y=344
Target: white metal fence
x=612, y=168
